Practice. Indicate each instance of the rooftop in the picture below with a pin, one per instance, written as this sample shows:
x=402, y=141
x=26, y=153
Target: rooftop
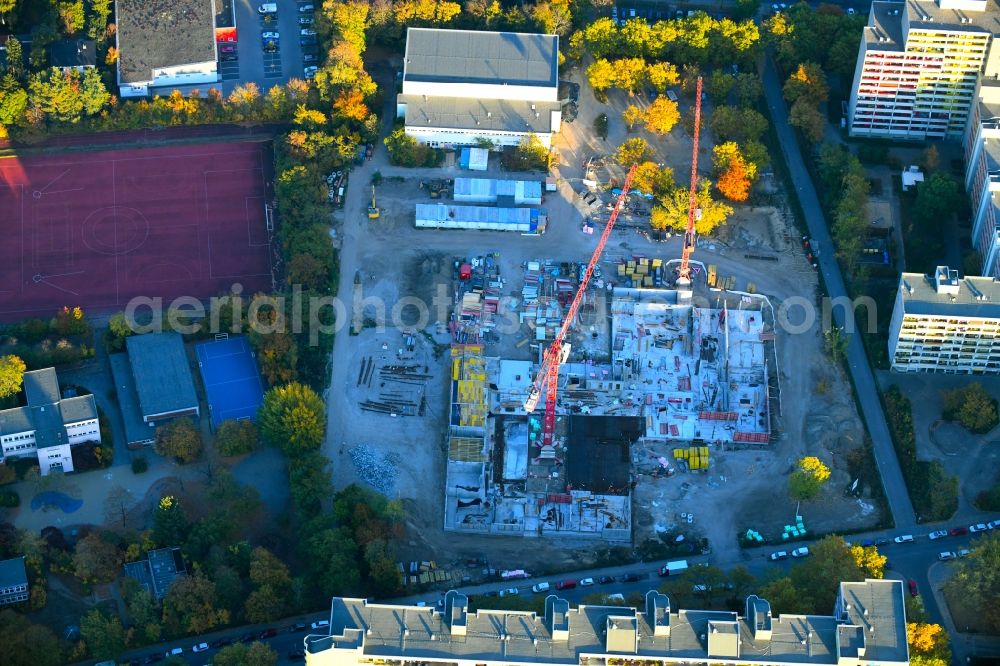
x=12, y=572
x=73, y=53
x=956, y=15
x=884, y=31
x=156, y=573
x=498, y=115
x=153, y=34
x=162, y=374
x=41, y=387
x=469, y=56
x=971, y=296
x=137, y=431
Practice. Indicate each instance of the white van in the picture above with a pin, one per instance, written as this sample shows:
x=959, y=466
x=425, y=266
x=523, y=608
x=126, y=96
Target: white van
x=540, y=587
x=268, y=8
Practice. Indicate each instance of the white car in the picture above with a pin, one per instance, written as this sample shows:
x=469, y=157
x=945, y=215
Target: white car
x=305, y=8
x=586, y=582
x=905, y=538
x=310, y=72
x=509, y=592
x=307, y=32
x=269, y=35
x=174, y=652
x=947, y=555
x=963, y=552
x=978, y=527
x=200, y=647
x=993, y=524
x=320, y=624
x=938, y=534
x=779, y=555
x=268, y=8
x=801, y=552
x=540, y=587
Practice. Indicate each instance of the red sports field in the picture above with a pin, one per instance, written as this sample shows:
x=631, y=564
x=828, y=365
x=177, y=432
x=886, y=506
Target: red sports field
x=96, y=229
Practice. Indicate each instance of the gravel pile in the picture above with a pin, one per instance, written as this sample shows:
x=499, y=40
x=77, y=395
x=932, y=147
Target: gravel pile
x=378, y=471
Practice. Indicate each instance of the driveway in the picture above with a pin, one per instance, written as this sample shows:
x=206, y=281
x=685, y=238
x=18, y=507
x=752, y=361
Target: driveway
x=864, y=381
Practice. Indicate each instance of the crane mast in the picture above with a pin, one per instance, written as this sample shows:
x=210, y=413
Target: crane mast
x=684, y=272
x=558, y=351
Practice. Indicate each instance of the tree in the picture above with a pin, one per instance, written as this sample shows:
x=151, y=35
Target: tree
x=170, y=523
x=104, y=635
x=806, y=481
x=632, y=115
x=23, y=643
x=13, y=100
x=256, y=654
x=179, y=439
x=929, y=644
x=807, y=81
x=734, y=183
x=71, y=15
x=808, y=119
x=12, y=370
x=930, y=159
x=937, y=199
x=730, y=123
x=972, y=406
x=601, y=125
x=812, y=586
x=309, y=479
x=234, y=438
x=748, y=89
x=976, y=582
x=673, y=211
x=601, y=75
x=191, y=606
x=651, y=178
x=661, y=116
x=350, y=105
x=117, y=504
x=869, y=561
x=292, y=418
x=307, y=117
x=662, y=75
x=270, y=598
x=836, y=341
x=96, y=560
x=718, y=85
x=531, y=154
x=633, y=151
x=15, y=54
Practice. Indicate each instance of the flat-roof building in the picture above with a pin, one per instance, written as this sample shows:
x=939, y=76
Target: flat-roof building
x=982, y=175
x=918, y=67
x=868, y=625
x=163, y=380
x=942, y=323
x=13, y=581
x=164, y=44
x=462, y=86
x=158, y=571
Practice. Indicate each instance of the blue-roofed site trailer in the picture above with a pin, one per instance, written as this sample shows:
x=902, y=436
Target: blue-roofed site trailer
x=489, y=190
x=444, y=216
x=866, y=626
x=48, y=425
x=463, y=86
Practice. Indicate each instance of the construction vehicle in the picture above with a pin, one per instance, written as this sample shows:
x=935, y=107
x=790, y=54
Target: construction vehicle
x=373, y=210
x=558, y=351
x=684, y=272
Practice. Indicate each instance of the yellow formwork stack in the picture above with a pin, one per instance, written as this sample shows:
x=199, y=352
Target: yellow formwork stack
x=696, y=456
x=468, y=372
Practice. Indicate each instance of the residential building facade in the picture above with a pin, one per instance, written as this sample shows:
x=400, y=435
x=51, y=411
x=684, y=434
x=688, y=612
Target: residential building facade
x=49, y=425
x=982, y=175
x=463, y=86
x=13, y=581
x=164, y=44
x=868, y=626
x=945, y=324
x=919, y=65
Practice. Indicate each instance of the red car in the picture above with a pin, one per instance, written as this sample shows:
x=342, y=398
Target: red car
x=914, y=592
x=958, y=531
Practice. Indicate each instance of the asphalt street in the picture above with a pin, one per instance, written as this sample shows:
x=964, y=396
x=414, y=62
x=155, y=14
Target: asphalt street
x=861, y=373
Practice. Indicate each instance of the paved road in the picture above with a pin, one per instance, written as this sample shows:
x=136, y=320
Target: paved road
x=864, y=380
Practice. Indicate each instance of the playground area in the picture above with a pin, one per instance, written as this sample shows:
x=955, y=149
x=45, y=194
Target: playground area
x=96, y=229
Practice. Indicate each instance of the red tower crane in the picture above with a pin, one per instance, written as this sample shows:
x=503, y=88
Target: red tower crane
x=558, y=351
x=684, y=272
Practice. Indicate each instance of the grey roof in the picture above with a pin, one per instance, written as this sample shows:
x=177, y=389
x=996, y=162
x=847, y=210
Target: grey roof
x=470, y=56
x=13, y=421
x=12, y=572
x=162, y=373
x=951, y=19
x=41, y=387
x=158, y=571
x=137, y=431
x=163, y=33
x=924, y=299
x=384, y=631
x=501, y=115
x=73, y=53
x=884, y=31
x=50, y=429
x=80, y=408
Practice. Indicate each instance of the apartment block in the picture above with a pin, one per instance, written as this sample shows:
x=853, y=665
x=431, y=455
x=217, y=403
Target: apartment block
x=982, y=175
x=867, y=626
x=941, y=323
x=919, y=65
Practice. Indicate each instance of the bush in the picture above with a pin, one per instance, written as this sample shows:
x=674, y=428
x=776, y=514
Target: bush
x=139, y=465
x=9, y=499
x=234, y=438
x=970, y=406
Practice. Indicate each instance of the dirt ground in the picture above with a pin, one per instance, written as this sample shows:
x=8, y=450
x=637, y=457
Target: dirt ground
x=392, y=259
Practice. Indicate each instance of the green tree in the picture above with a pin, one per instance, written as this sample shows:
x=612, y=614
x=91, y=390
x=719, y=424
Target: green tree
x=601, y=125
x=234, y=438
x=309, y=479
x=673, y=211
x=11, y=375
x=292, y=418
x=143, y=611
x=23, y=643
x=96, y=560
x=972, y=406
x=531, y=154
x=807, y=81
x=71, y=16
x=13, y=100
x=748, y=89
x=808, y=119
x=15, y=54
x=179, y=439
x=718, y=85
x=730, y=123
x=170, y=523
x=256, y=654
x=104, y=635
x=812, y=586
x=633, y=151
x=97, y=18
x=272, y=582
x=806, y=481
x=332, y=557
x=836, y=341
x=191, y=606
x=976, y=582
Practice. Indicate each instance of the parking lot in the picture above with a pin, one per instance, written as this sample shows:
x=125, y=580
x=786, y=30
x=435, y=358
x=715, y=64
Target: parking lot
x=270, y=61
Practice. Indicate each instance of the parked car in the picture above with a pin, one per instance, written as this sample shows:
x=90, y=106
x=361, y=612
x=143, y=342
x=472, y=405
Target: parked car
x=630, y=578
x=306, y=8
x=962, y=552
x=993, y=524
x=320, y=624
x=268, y=633
x=221, y=643
x=306, y=20
x=958, y=531
x=540, y=587
x=269, y=34
x=606, y=580
x=200, y=647
x=905, y=538
x=566, y=585
x=882, y=541
x=308, y=41
x=297, y=627
x=307, y=32
x=510, y=592
x=914, y=591
x=174, y=652
x=801, y=552
x=310, y=57
x=779, y=555
x=227, y=48
x=310, y=71
x=938, y=534
x=248, y=638
x=947, y=555
x=586, y=582
x=268, y=8
x=977, y=528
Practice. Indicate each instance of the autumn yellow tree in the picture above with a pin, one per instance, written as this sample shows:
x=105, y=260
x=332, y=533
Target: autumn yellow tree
x=673, y=211
x=350, y=104
x=653, y=179
x=808, y=81
x=723, y=155
x=11, y=374
x=660, y=75
x=733, y=183
x=869, y=560
x=632, y=115
x=662, y=115
x=809, y=476
x=309, y=117
x=929, y=644
x=633, y=151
